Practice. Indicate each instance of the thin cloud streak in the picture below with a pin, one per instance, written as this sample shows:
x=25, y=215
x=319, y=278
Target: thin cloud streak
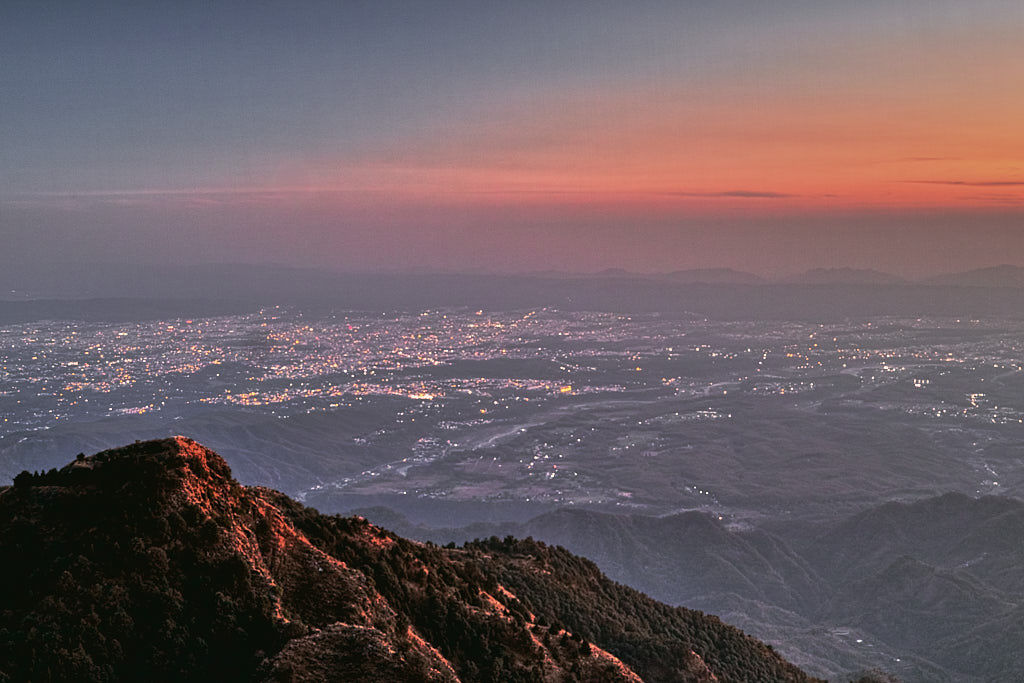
x=740, y=194
x=926, y=159
x=970, y=183
x=282, y=191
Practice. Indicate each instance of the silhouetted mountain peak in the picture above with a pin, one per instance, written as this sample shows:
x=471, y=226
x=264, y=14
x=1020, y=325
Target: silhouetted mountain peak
x=152, y=558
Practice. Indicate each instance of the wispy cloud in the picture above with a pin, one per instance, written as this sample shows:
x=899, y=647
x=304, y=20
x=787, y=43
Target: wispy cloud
x=970, y=183
x=193, y=197
x=741, y=194
x=1014, y=199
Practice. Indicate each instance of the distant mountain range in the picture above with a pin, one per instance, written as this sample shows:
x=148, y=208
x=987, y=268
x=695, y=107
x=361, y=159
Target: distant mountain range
x=239, y=281
x=152, y=561
x=844, y=276
x=997, y=276
x=164, y=292
x=713, y=276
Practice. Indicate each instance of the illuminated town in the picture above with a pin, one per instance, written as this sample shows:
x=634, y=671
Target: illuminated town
x=281, y=361
x=540, y=406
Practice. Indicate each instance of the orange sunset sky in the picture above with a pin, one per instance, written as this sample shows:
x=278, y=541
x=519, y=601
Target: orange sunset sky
x=764, y=136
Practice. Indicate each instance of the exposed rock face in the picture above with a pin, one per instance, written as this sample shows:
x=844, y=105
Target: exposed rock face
x=151, y=558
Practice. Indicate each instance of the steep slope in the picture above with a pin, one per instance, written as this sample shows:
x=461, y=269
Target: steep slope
x=151, y=558
x=928, y=590
x=951, y=531
x=751, y=578
x=684, y=558
x=941, y=577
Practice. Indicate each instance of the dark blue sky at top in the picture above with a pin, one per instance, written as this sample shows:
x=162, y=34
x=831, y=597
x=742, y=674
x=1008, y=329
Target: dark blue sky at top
x=103, y=102
x=112, y=95
x=107, y=88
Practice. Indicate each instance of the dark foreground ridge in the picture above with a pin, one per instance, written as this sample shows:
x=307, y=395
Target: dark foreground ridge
x=150, y=561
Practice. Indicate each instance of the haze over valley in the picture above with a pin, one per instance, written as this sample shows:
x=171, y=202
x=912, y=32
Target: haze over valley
x=324, y=324
x=716, y=462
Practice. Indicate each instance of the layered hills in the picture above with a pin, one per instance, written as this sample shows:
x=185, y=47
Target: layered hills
x=152, y=561
x=929, y=590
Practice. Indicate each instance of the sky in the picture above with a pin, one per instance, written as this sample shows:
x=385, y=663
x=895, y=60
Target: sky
x=514, y=136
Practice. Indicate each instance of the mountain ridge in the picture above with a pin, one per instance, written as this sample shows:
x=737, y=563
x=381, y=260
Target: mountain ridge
x=927, y=589
x=151, y=557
